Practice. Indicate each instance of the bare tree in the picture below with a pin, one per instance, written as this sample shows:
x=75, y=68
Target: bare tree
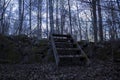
x=62, y=10
x=47, y=12
x=51, y=16
x=94, y=10
x=57, y=14
x=3, y=7
x=100, y=20
x=39, y=19
x=30, y=1
x=21, y=16
x=78, y=18
x=70, y=16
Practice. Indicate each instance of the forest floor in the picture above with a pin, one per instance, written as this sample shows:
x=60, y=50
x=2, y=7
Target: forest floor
x=23, y=58
x=97, y=70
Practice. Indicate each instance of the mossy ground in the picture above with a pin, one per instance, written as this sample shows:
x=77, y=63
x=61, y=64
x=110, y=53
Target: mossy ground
x=13, y=49
x=102, y=50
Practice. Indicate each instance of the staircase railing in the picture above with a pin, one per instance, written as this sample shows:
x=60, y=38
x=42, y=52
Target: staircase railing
x=82, y=52
x=54, y=50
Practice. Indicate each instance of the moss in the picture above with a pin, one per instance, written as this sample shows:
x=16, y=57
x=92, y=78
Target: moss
x=116, y=54
x=13, y=56
x=104, y=52
x=7, y=48
x=14, y=48
x=40, y=51
x=51, y=58
x=42, y=43
x=38, y=58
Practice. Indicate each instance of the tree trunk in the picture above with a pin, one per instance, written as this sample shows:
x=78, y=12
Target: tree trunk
x=100, y=21
x=57, y=20
x=95, y=20
x=30, y=16
x=21, y=15
x=70, y=16
x=118, y=4
x=62, y=16
x=39, y=19
x=79, y=24
x=51, y=16
x=47, y=12
x=2, y=18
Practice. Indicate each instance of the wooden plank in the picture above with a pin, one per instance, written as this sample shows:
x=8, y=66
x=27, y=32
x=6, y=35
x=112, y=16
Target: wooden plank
x=82, y=52
x=61, y=35
x=54, y=50
x=68, y=49
x=70, y=56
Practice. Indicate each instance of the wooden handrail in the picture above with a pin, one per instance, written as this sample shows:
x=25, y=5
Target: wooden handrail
x=82, y=52
x=54, y=50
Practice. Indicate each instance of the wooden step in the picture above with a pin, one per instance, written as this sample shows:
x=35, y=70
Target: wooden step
x=61, y=35
x=71, y=56
x=71, y=61
x=68, y=51
x=62, y=40
x=65, y=45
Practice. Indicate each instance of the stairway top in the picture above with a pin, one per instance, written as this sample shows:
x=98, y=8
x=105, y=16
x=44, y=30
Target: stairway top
x=64, y=43
x=61, y=35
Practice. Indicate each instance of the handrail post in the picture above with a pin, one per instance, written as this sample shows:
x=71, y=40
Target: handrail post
x=54, y=50
x=83, y=53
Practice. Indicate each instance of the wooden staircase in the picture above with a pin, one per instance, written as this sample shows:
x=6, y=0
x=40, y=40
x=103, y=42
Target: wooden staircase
x=67, y=51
